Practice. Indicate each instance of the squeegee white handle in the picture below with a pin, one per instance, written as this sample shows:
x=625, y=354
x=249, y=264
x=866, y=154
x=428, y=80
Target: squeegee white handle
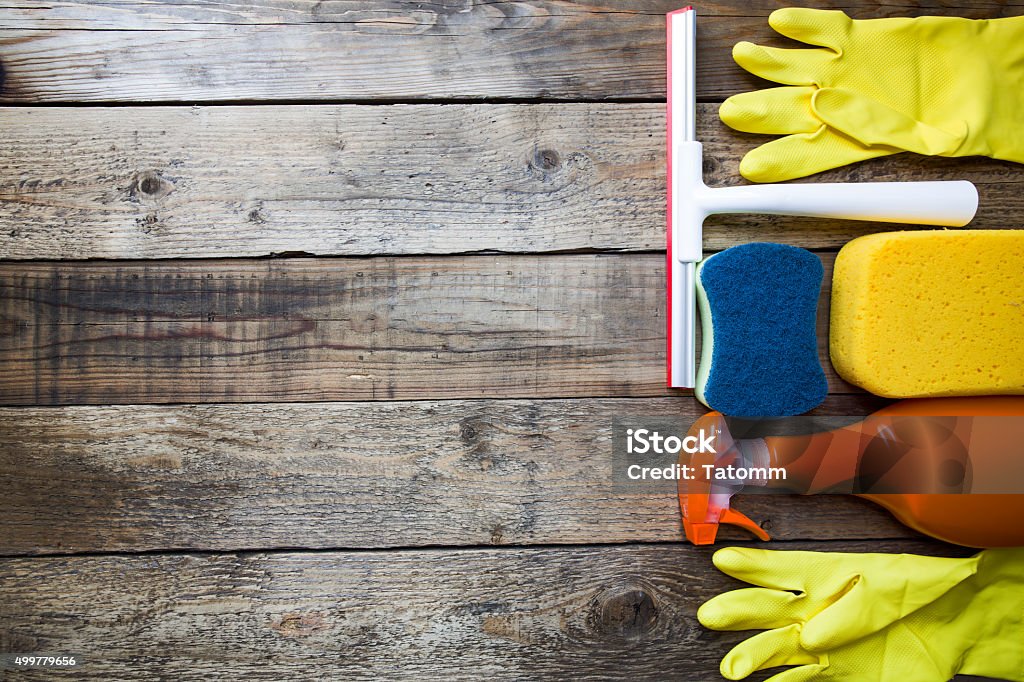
x=947, y=203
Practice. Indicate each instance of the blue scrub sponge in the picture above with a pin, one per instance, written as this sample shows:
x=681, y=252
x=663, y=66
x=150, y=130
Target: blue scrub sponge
x=758, y=306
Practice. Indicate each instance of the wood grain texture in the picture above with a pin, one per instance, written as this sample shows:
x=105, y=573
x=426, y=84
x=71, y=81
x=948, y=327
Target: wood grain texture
x=359, y=475
x=428, y=347
x=171, y=182
x=339, y=329
x=343, y=49
x=586, y=612
x=351, y=180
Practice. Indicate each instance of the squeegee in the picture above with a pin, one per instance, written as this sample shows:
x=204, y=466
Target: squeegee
x=690, y=201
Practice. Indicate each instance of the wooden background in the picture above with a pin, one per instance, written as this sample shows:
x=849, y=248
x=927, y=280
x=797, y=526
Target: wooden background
x=314, y=317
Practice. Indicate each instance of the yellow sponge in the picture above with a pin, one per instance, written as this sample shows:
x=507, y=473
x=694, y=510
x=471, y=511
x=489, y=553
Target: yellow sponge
x=930, y=313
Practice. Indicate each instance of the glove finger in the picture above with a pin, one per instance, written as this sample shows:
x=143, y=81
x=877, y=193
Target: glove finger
x=774, y=111
x=796, y=156
x=753, y=608
x=766, y=650
x=758, y=567
x=871, y=122
x=776, y=569
x=790, y=67
x=825, y=28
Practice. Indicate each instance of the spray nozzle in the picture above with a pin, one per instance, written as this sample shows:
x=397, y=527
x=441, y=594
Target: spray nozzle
x=704, y=495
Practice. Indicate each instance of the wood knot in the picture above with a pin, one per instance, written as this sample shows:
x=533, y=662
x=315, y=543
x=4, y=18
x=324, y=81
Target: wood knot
x=546, y=160
x=299, y=624
x=149, y=184
x=625, y=613
x=473, y=432
x=468, y=431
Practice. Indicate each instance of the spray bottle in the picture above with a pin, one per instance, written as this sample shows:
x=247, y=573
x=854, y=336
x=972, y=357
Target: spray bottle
x=923, y=460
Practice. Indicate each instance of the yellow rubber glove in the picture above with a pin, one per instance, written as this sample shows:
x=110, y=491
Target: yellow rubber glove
x=872, y=617
x=942, y=86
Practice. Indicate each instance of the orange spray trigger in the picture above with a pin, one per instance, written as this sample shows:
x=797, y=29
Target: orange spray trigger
x=704, y=532
x=738, y=518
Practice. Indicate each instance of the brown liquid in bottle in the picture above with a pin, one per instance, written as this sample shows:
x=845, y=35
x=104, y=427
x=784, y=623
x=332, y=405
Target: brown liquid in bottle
x=936, y=446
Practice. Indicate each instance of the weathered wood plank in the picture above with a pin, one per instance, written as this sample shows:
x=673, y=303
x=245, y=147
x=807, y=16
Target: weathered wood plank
x=194, y=15
x=168, y=182
x=342, y=49
x=587, y=612
x=353, y=329
x=338, y=329
x=350, y=180
x=358, y=475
